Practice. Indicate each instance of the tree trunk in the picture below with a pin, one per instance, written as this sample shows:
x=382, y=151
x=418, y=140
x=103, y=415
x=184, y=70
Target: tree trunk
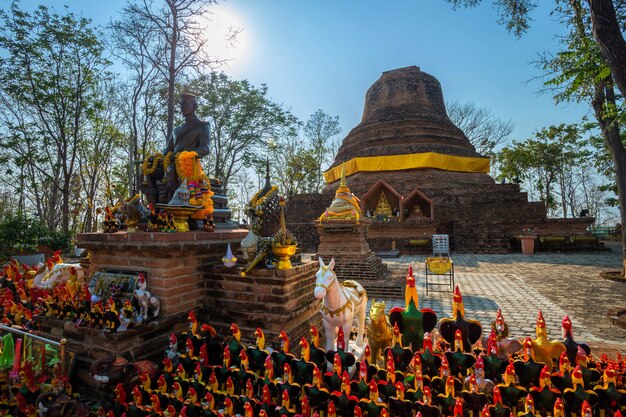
x=604, y=93
x=172, y=71
x=608, y=35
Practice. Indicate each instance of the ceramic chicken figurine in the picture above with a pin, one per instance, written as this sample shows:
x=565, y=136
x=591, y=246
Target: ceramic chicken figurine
x=120, y=405
x=401, y=356
x=294, y=389
x=472, y=397
x=505, y=345
x=529, y=408
x=545, y=395
x=285, y=408
x=458, y=361
x=398, y=405
x=493, y=360
x=387, y=383
x=305, y=406
x=571, y=346
x=194, y=325
x=574, y=397
x=509, y=391
x=471, y=330
x=257, y=354
x=426, y=408
x=235, y=344
x=359, y=386
x=447, y=401
x=416, y=393
x=559, y=408
x=610, y=398
x=347, y=358
x=563, y=378
x=527, y=369
x=317, y=394
x=430, y=361
x=543, y=348
x=303, y=367
x=372, y=406
x=332, y=378
x=412, y=321
x=485, y=385
x=343, y=399
x=498, y=409
x=282, y=355
x=318, y=355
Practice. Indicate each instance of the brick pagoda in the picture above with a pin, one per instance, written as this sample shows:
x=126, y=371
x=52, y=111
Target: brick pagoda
x=431, y=175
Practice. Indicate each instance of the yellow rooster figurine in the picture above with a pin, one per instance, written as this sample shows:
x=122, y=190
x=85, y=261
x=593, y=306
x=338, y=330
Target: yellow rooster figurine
x=543, y=348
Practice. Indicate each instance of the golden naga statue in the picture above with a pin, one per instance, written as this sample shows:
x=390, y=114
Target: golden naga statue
x=383, y=208
x=345, y=205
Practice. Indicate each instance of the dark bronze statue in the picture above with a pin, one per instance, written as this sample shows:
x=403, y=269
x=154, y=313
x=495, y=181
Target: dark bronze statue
x=193, y=135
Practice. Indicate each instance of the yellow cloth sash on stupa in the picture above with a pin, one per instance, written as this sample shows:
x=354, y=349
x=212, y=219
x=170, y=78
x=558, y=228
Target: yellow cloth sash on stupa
x=410, y=161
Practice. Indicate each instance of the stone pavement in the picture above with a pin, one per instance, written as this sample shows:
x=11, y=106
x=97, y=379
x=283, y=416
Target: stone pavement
x=557, y=283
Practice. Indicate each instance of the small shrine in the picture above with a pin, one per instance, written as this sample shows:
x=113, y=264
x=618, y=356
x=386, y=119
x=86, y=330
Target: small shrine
x=343, y=236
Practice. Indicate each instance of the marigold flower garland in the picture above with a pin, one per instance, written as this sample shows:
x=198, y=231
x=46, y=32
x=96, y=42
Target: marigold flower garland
x=149, y=168
x=256, y=203
x=188, y=168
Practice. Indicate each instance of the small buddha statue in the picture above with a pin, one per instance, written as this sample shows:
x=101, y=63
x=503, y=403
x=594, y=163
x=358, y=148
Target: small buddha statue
x=417, y=211
x=383, y=208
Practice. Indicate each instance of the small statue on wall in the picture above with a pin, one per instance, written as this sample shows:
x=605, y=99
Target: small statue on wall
x=146, y=300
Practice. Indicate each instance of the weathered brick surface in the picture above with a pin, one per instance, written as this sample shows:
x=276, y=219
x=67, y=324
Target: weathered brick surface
x=346, y=242
x=174, y=263
x=271, y=299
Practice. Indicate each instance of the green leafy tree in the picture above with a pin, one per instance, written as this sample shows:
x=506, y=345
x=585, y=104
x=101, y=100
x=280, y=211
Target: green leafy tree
x=548, y=164
x=242, y=120
x=319, y=129
x=49, y=67
x=592, y=63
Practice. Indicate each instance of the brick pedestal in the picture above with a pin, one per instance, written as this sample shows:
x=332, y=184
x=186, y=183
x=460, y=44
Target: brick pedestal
x=174, y=263
x=346, y=241
x=271, y=299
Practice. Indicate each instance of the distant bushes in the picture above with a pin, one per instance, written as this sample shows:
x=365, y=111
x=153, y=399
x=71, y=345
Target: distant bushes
x=21, y=233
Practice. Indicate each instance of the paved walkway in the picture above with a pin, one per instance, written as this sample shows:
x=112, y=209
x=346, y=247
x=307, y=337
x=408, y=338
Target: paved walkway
x=557, y=283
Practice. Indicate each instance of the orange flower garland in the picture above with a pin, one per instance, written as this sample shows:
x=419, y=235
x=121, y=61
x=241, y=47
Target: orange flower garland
x=188, y=168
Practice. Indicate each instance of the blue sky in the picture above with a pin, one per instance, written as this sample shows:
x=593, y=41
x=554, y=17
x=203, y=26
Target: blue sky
x=326, y=53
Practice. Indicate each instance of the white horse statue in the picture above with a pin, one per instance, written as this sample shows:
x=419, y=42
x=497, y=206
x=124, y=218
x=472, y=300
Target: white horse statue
x=145, y=299
x=342, y=302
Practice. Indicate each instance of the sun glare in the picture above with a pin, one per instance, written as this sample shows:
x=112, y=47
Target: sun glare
x=219, y=27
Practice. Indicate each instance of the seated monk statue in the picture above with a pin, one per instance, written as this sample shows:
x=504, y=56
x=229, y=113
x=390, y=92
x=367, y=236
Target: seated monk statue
x=193, y=135
x=345, y=205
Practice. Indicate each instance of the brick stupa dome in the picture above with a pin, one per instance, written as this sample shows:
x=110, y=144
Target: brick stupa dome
x=404, y=114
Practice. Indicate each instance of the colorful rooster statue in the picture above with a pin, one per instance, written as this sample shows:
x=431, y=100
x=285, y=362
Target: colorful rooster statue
x=412, y=322
x=471, y=330
x=571, y=346
x=505, y=345
x=543, y=348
